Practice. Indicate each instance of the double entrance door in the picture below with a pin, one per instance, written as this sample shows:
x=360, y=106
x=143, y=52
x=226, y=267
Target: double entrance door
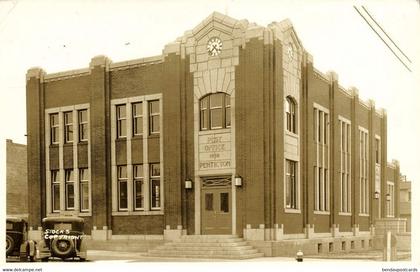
x=216, y=205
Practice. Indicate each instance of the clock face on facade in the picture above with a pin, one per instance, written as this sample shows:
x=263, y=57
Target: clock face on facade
x=214, y=46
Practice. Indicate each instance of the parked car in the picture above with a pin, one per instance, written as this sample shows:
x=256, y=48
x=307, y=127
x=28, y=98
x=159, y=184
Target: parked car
x=62, y=238
x=17, y=243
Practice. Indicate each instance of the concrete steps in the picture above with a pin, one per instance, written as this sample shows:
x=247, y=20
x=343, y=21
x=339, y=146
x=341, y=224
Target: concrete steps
x=207, y=247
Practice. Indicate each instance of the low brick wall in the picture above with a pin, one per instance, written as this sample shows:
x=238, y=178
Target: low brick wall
x=289, y=248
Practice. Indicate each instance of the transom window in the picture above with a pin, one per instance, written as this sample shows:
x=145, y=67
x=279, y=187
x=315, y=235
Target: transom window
x=215, y=111
x=290, y=114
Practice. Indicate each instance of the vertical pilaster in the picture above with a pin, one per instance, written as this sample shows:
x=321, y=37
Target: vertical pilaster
x=35, y=145
x=334, y=151
x=355, y=162
x=99, y=116
x=384, y=162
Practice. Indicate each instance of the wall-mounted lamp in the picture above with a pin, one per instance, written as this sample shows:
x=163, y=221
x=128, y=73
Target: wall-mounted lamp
x=188, y=184
x=238, y=181
x=376, y=195
x=388, y=197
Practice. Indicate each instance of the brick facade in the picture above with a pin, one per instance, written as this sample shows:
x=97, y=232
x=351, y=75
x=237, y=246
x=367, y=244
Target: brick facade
x=259, y=68
x=16, y=180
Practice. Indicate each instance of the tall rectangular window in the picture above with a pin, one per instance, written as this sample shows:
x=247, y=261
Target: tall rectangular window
x=55, y=190
x=345, y=165
x=121, y=121
x=154, y=117
x=155, y=194
x=84, y=189
x=69, y=182
x=83, y=125
x=137, y=110
x=54, y=128
x=204, y=113
x=321, y=173
x=138, y=187
x=68, y=127
x=292, y=189
x=364, y=170
x=122, y=188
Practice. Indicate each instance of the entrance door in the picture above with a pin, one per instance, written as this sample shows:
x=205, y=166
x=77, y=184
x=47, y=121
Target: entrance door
x=216, y=209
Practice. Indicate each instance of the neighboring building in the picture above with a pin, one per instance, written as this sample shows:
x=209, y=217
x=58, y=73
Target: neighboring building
x=405, y=200
x=16, y=180
x=273, y=148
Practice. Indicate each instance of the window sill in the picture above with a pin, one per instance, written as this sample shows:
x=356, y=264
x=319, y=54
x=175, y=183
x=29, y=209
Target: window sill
x=364, y=214
x=289, y=210
x=68, y=143
x=127, y=213
x=344, y=213
x=212, y=131
x=67, y=213
x=291, y=134
x=83, y=142
x=322, y=212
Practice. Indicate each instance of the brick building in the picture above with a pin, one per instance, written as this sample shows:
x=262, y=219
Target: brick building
x=405, y=200
x=16, y=180
x=230, y=131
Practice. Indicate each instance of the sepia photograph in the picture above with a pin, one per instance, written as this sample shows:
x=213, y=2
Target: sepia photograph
x=199, y=135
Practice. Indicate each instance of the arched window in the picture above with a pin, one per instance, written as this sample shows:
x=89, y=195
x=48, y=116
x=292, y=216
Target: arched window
x=290, y=114
x=215, y=111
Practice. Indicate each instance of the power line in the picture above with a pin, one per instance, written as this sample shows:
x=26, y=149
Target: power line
x=381, y=38
x=385, y=33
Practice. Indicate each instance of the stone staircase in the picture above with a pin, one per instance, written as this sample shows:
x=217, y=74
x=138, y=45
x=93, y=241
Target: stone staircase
x=207, y=247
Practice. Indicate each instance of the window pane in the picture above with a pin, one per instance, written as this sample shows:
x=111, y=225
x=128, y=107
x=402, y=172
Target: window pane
x=138, y=171
x=155, y=124
x=216, y=100
x=137, y=109
x=154, y=107
x=155, y=190
x=56, y=197
x=123, y=194
x=122, y=172
x=155, y=170
x=84, y=196
x=228, y=117
x=121, y=111
x=70, y=195
x=138, y=194
x=224, y=202
x=82, y=116
x=137, y=125
x=227, y=100
x=209, y=202
x=204, y=119
x=216, y=118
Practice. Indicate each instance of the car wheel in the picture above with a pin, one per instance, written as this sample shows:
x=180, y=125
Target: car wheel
x=10, y=244
x=62, y=248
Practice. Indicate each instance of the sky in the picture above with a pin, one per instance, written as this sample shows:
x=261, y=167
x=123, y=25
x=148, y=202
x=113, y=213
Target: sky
x=65, y=35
